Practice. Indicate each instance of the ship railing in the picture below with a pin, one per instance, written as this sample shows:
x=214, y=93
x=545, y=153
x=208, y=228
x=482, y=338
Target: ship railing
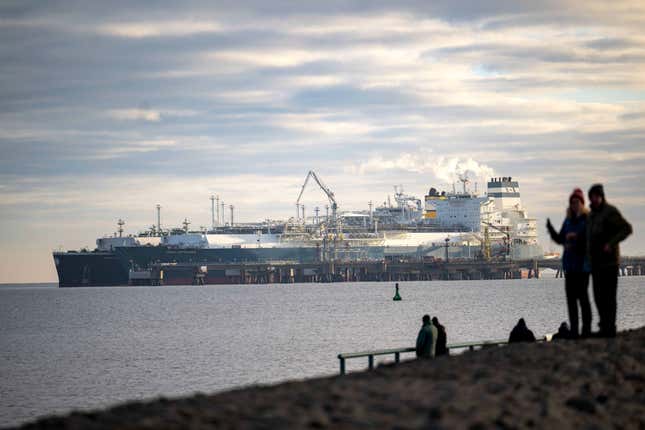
x=471, y=346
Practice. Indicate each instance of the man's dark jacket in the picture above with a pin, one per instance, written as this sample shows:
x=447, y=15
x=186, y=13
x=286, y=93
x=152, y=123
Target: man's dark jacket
x=605, y=225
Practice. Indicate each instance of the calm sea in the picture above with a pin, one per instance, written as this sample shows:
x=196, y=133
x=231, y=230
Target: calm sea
x=81, y=348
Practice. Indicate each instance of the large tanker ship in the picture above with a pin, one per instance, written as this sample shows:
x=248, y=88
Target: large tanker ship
x=462, y=223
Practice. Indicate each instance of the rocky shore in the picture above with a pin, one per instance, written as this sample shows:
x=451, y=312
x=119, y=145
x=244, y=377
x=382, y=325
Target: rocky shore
x=586, y=384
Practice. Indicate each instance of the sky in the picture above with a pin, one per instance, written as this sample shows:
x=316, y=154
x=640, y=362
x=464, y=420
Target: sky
x=109, y=108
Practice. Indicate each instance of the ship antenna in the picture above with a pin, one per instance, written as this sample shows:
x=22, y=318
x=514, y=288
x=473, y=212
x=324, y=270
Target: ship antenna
x=120, y=223
x=159, y=219
x=219, y=223
x=213, y=212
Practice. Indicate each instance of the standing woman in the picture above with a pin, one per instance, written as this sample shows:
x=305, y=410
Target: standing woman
x=572, y=236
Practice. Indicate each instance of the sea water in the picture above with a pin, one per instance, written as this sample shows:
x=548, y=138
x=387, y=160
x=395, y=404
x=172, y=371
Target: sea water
x=84, y=348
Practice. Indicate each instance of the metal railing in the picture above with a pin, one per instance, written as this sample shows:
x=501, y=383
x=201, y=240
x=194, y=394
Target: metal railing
x=398, y=351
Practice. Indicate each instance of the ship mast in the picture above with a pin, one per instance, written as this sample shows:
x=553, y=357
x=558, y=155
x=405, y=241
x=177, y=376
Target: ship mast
x=159, y=219
x=120, y=223
x=212, y=212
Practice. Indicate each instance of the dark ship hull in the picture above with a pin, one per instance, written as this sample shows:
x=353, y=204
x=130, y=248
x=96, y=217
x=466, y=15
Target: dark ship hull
x=111, y=268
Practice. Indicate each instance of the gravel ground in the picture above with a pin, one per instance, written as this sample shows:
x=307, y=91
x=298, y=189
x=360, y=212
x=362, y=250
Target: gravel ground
x=587, y=384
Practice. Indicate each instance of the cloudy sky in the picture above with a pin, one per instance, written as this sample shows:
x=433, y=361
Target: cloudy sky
x=108, y=109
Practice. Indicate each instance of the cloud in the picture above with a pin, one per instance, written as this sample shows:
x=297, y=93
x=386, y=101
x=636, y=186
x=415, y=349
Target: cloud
x=248, y=96
x=141, y=146
x=316, y=124
x=136, y=114
x=143, y=29
x=276, y=57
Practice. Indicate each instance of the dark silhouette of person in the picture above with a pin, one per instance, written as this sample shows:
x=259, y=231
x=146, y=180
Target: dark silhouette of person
x=427, y=339
x=563, y=332
x=521, y=333
x=442, y=338
x=573, y=236
x=606, y=229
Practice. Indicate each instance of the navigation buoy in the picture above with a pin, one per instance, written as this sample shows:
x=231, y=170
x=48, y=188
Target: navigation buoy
x=397, y=296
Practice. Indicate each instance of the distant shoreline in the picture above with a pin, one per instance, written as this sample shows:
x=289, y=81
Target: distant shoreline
x=29, y=284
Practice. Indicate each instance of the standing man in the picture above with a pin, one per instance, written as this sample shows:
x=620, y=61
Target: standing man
x=605, y=229
x=427, y=339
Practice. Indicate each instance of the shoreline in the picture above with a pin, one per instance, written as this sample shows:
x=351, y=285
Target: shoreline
x=591, y=383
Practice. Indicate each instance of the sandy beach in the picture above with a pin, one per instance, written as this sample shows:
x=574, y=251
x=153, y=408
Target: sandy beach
x=586, y=384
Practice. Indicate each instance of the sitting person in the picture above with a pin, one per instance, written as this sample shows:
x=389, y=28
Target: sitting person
x=521, y=333
x=442, y=339
x=427, y=339
x=563, y=332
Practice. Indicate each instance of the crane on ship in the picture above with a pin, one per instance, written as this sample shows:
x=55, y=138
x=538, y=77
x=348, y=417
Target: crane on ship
x=505, y=232
x=326, y=190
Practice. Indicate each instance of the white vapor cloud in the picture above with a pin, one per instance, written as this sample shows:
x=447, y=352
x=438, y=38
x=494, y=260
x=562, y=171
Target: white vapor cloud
x=444, y=169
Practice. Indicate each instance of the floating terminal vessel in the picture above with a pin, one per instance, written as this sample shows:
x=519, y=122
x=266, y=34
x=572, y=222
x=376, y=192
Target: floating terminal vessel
x=460, y=224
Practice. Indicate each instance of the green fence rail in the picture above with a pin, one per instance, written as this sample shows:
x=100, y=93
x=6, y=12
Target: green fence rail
x=398, y=351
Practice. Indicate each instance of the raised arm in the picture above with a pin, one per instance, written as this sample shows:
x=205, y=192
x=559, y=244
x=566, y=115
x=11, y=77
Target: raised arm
x=557, y=237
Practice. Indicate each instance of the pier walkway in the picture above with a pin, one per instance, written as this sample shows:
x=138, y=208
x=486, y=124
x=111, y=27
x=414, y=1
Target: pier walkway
x=357, y=271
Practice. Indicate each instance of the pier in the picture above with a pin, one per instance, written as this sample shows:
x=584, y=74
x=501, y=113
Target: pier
x=389, y=270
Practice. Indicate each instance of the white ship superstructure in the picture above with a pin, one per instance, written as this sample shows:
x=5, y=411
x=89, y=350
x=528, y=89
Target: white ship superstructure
x=494, y=224
x=507, y=221
x=452, y=211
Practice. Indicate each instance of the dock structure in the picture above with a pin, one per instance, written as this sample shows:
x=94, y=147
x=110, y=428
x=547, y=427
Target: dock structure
x=285, y=272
